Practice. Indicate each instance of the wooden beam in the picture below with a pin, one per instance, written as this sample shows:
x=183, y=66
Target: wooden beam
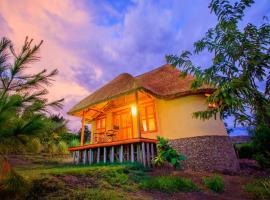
x=143, y=154
x=132, y=153
x=139, y=153
x=138, y=114
x=127, y=152
x=90, y=156
x=82, y=133
x=104, y=155
x=98, y=154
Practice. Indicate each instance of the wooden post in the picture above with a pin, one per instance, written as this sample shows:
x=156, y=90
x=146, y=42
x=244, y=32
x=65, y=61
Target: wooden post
x=148, y=154
x=77, y=157
x=104, y=155
x=112, y=154
x=98, y=155
x=152, y=151
x=121, y=154
x=138, y=153
x=132, y=153
x=127, y=151
x=138, y=115
x=143, y=154
x=74, y=157
x=90, y=156
x=82, y=133
x=84, y=157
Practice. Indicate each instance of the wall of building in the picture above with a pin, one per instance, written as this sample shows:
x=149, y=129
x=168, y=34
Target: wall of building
x=175, y=118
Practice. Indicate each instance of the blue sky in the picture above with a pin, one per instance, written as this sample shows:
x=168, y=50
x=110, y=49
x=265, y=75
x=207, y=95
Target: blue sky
x=93, y=41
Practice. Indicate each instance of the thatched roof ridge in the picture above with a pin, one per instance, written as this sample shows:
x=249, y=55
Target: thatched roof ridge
x=162, y=82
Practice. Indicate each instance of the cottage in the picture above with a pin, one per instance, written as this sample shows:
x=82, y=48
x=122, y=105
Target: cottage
x=128, y=113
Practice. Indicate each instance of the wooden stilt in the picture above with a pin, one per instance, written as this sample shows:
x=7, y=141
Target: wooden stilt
x=132, y=153
x=77, y=157
x=127, y=152
x=104, y=155
x=74, y=157
x=84, y=157
x=138, y=153
x=143, y=154
x=152, y=151
x=121, y=154
x=112, y=154
x=98, y=155
x=90, y=156
x=148, y=154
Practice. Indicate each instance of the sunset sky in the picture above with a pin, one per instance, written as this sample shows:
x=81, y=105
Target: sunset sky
x=91, y=42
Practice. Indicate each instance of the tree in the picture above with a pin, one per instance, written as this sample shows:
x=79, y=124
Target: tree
x=23, y=102
x=239, y=71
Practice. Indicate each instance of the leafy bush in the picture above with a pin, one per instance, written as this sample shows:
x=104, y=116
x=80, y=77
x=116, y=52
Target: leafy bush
x=13, y=186
x=262, y=160
x=260, y=189
x=62, y=147
x=168, y=184
x=167, y=153
x=34, y=146
x=214, y=183
x=245, y=150
x=74, y=143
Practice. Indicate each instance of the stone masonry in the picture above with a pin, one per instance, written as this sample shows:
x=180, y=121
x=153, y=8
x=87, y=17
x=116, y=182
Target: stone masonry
x=210, y=153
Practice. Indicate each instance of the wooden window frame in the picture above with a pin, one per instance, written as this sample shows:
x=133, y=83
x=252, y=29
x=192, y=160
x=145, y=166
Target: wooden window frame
x=101, y=129
x=144, y=106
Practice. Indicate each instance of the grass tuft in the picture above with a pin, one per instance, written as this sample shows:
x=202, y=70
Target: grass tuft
x=168, y=184
x=214, y=183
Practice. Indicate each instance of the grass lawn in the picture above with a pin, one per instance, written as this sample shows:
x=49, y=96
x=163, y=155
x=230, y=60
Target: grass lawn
x=126, y=181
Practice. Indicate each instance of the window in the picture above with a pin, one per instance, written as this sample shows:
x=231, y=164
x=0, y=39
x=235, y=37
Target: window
x=148, y=118
x=101, y=124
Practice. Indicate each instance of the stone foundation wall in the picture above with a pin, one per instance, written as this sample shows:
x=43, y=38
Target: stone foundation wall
x=211, y=153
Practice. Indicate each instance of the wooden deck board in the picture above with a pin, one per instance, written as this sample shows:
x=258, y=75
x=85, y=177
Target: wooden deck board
x=115, y=143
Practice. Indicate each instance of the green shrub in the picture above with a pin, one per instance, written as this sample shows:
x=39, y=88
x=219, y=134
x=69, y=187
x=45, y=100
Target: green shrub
x=62, y=147
x=165, y=153
x=260, y=189
x=214, y=183
x=13, y=186
x=74, y=143
x=34, y=146
x=98, y=193
x=168, y=184
x=262, y=160
x=245, y=150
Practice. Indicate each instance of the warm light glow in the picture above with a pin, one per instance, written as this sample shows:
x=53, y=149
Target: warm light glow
x=133, y=110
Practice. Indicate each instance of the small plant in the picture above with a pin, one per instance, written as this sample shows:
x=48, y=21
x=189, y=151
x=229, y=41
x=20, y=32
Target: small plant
x=245, y=150
x=165, y=153
x=262, y=160
x=168, y=184
x=214, y=183
x=259, y=189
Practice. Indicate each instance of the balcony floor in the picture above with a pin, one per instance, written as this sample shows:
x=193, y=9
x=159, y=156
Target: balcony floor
x=114, y=143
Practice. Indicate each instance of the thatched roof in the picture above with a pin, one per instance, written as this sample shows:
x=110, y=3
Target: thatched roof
x=163, y=82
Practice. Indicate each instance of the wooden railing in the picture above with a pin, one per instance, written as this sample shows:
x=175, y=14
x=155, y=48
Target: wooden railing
x=108, y=136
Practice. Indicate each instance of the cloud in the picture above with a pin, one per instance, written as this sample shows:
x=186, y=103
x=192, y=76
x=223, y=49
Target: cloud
x=91, y=42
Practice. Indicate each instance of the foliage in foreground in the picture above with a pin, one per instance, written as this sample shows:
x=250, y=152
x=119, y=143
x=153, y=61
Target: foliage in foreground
x=168, y=184
x=165, y=153
x=214, y=183
x=260, y=189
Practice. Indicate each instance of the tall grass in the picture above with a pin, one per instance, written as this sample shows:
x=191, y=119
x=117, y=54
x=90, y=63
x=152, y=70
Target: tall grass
x=74, y=143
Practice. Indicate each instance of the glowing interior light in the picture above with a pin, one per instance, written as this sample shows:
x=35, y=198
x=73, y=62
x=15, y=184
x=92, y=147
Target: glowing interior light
x=133, y=110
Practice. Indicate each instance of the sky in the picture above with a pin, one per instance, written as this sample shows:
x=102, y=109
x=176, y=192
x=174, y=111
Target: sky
x=92, y=41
